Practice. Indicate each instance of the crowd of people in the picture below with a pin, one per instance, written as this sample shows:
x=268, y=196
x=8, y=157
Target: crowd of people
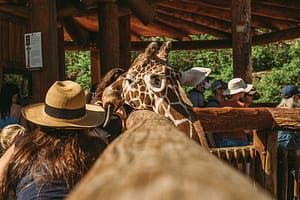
x=46, y=148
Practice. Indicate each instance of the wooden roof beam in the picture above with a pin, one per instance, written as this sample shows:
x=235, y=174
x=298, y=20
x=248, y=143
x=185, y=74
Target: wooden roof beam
x=78, y=35
x=196, y=8
x=281, y=3
x=209, y=22
x=142, y=9
x=156, y=29
x=263, y=39
x=273, y=24
x=275, y=10
x=19, y=11
x=192, y=28
x=289, y=34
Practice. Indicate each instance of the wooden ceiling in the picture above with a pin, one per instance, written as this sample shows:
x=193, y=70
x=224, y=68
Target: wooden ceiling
x=271, y=20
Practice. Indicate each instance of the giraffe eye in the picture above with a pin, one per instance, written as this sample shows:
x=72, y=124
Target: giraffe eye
x=129, y=80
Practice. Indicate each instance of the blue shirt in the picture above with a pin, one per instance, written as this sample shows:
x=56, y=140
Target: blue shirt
x=196, y=98
x=8, y=121
x=27, y=189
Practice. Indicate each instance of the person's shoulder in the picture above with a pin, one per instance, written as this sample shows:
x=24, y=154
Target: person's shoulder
x=212, y=102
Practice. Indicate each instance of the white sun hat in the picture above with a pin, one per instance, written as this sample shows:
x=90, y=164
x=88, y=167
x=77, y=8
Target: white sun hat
x=237, y=85
x=192, y=77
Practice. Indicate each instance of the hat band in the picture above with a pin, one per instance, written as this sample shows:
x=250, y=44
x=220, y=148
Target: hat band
x=65, y=113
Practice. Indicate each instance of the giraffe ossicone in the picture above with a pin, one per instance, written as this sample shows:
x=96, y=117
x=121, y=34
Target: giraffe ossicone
x=151, y=83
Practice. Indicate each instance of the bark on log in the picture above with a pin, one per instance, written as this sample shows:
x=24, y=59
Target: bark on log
x=154, y=160
x=234, y=119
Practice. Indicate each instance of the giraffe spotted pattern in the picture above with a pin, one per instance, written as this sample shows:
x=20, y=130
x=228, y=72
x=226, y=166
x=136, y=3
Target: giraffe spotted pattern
x=150, y=83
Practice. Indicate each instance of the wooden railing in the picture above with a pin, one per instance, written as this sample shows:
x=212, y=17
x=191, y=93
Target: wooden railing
x=153, y=159
x=265, y=122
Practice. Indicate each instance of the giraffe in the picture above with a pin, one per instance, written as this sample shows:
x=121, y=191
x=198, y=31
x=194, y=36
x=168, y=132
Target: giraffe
x=150, y=83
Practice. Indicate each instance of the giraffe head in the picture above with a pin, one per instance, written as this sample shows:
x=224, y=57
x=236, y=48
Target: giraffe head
x=150, y=83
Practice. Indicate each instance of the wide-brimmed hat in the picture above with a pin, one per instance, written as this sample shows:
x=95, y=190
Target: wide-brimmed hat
x=289, y=90
x=237, y=85
x=192, y=77
x=65, y=107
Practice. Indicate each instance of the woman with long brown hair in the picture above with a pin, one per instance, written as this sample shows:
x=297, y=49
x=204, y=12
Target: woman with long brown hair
x=47, y=162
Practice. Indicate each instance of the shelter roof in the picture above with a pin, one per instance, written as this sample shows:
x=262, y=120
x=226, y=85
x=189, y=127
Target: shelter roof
x=271, y=20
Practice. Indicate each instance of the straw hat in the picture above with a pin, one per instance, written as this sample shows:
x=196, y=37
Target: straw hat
x=65, y=107
x=194, y=76
x=237, y=85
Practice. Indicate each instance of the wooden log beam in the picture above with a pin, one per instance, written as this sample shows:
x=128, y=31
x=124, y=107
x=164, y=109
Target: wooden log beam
x=241, y=39
x=273, y=24
x=154, y=160
x=268, y=8
x=156, y=29
x=194, y=7
x=288, y=34
x=248, y=118
x=142, y=9
x=196, y=22
x=76, y=32
x=213, y=23
x=19, y=11
x=43, y=19
x=262, y=39
x=190, y=26
x=125, y=42
x=108, y=36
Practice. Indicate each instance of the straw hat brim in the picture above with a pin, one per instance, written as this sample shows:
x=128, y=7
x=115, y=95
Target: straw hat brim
x=232, y=92
x=35, y=113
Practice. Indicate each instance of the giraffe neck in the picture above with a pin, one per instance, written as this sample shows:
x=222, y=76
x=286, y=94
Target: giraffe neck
x=182, y=116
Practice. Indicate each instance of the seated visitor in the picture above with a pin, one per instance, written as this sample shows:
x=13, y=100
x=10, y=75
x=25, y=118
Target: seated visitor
x=287, y=139
x=236, y=91
x=196, y=77
x=218, y=87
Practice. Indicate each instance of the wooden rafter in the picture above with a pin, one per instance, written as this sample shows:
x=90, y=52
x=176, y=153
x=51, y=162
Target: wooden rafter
x=192, y=28
x=78, y=35
x=219, y=25
x=262, y=39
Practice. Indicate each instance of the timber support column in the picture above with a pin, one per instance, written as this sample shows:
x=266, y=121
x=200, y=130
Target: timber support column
x=125, y=41
x=95, y=67
x=43, y=19
x=241, y=39
x=108, y=38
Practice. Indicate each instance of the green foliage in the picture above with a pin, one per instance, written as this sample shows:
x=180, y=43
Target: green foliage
x=79, y=61
x=270, y=56
x=270, y=85
x=281, y=59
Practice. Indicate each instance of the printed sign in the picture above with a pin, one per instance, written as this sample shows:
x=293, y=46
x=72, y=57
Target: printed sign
x=33, y=50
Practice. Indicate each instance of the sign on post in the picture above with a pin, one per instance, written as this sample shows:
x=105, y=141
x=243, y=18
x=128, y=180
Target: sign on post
x=33, y=50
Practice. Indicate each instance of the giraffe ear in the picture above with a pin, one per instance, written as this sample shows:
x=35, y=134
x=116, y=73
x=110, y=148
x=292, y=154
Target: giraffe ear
x=155, y=82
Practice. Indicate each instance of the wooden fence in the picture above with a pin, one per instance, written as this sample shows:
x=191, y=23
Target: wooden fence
x=154, y=160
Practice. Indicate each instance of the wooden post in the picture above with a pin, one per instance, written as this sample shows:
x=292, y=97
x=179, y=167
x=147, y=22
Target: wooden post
x=266, y=174
x=61, y=52
x=125, y=41
x=241, y=39
x=43, y=19
x=95, y=67
x=154, y=160
x=109, y=43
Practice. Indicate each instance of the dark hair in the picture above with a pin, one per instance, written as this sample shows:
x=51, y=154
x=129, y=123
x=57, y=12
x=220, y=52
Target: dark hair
x=8, y=90
x=51, y=155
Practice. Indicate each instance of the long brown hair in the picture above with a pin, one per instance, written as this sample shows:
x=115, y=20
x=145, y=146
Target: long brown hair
x=52, y=155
